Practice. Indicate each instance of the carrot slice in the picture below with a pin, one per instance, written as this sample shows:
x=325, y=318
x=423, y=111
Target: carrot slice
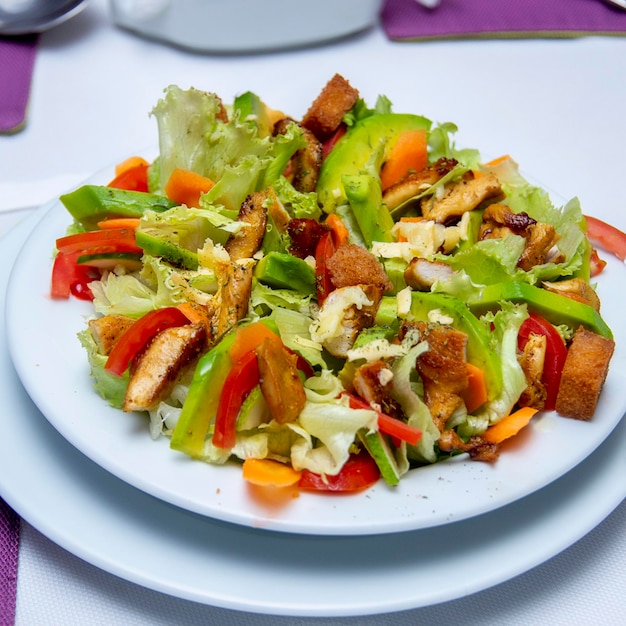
x=408, y=154
x=119, y=222
x=476, y=393
x=338, y=229
x=129, y=164
x=269, y=473
x=510, y=425
x=186, y=187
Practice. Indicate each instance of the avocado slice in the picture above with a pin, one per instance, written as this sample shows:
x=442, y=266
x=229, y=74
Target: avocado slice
x=253, y=111
x=376, y=444
x=281, y=270
x=557, y=309
x=91, y=204
x=354, y=149
x=168, y=250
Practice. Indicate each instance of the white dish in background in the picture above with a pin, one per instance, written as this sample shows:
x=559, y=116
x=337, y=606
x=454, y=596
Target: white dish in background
x=54, y=370
x=236, y=26
x=102, y=520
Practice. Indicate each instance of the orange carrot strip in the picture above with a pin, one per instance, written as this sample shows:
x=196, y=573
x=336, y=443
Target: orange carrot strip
x=509, y=425
x=269, y=473
x=408, y=154
x=338, y=229
x=476, y=393
x=129, y=164
x=119, y=222
x=498, y=161
x=249, y=338
x=186, y=187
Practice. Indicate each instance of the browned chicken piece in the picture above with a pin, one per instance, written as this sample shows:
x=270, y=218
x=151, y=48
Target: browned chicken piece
x=277, y=211
x=352, y=264
x=421, y=274
x=584, y=373
x=540, y=242
x=531, y=361
x=476, y=447
x=499, y=221
x=246, y=243
x=305, y=234
x=354, y=321
x=327, y=110
x=203, y=314
x=279, y=380
x=577, y=289
x=442, y=368
x=304, y=166
x=162, y=364
x=417, y=182
x=233, y=297
x=461, y=196
x=372, y=382
x=107, y=330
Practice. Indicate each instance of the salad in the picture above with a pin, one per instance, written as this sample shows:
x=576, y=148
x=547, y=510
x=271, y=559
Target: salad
x=334, y=300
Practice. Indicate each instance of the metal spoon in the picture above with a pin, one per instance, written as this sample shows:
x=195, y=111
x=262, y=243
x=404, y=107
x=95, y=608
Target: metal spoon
x=20, y=17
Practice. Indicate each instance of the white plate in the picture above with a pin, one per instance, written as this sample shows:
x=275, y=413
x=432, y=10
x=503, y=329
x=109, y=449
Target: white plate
x=54, y=370
x=117, y=528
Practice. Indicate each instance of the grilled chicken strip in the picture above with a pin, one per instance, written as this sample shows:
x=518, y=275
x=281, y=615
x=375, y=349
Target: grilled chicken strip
x=246, y=243
x=417, y=182
x=577, y=289
x=162, y=365
x=531, y=361
x=326, y=112
x=107, y=330
x=233, y=296
x=372, y=381
x=442, y=368
x=354, y=320
x=421, y=274
x=280, y=382
x=461, y=196
x=476, y=447
x=305, y=164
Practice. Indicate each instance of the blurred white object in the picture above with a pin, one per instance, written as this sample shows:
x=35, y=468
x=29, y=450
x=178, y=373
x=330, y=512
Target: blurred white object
x=429, y=4
x=245, y=25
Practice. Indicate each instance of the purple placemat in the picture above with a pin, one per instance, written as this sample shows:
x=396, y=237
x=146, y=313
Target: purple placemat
x=17, y=58
x=406, y=20
x=9, y=545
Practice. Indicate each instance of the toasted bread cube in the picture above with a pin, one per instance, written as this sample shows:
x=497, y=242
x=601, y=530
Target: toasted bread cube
x=584, y=373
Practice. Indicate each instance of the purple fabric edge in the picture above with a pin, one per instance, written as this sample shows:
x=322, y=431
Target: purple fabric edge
x=17, y=60
x=406, y=19
x=9, y=556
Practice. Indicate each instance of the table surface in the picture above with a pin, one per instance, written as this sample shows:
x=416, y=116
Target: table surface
x=556, y=106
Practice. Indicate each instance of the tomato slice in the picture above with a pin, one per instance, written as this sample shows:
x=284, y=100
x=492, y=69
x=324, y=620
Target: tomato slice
x=323, y=251
x=68, y=277
x=359, y=472
x=556, y=353
x=240, y=381
x=99, y=241
x=386, y=424
x=606, y=236
x=140, y=334
x=331, y=142
x=132, y=179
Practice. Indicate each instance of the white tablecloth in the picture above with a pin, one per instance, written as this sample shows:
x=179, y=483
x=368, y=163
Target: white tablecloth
x=556, y=106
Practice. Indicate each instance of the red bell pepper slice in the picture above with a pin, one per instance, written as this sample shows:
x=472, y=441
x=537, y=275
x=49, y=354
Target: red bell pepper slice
x=140, y=334
x=99, y=241
x=386, y=424
x=132, y=179
x=606, y=236
x=70, y=278
x=556, y=353
x=596, y=264
x=359, y=472
x=240, y=381
x=323, y=251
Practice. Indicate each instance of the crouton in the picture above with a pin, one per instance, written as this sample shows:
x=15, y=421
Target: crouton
x=326, y=113
x=352, y=264
x=584, y=373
